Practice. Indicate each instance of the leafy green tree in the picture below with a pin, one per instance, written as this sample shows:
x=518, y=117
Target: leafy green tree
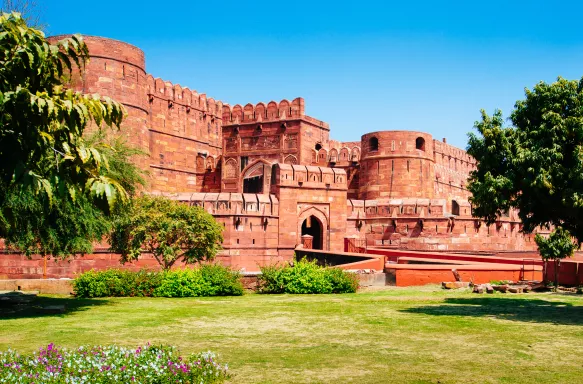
x=121, y=161
x=536, y=164
x=171, y=231
x=56, y=188
x=42, y=122
x=68, y=225
x=556, y=247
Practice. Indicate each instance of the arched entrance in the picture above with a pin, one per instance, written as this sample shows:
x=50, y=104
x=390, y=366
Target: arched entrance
x=313, y=227
x=253, y=181
x=256, y=177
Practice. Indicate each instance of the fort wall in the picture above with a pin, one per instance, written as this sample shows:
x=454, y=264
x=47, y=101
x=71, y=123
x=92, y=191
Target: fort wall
x=271, y=175
x=185, y=131
x=117, y=70
x=452, y=169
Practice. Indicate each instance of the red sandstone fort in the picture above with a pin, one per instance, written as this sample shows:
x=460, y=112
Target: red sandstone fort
x=276, y=180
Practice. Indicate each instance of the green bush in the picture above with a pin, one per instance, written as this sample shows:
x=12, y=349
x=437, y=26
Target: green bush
x=306, y=277
x=116, y=282
x=206, y=280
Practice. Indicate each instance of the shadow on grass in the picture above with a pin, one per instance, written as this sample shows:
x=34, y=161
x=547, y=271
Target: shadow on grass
x=525, y=310
x=16, y=305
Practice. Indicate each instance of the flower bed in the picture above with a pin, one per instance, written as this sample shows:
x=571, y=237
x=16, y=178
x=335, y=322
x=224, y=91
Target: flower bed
x=110, y=364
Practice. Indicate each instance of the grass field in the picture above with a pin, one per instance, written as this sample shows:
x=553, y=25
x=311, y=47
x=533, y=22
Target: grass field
x=394, y=335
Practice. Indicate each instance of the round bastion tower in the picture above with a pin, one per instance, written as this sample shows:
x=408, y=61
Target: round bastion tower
x=396, y=164
x=118, y=70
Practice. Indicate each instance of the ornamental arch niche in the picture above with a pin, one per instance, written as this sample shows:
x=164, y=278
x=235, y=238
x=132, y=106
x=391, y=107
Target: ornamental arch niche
x=230, y=169
x=291, y=160
x=314, y=222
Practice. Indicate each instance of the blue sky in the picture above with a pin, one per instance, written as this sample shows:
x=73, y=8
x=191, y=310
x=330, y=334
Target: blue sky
x=364, y=66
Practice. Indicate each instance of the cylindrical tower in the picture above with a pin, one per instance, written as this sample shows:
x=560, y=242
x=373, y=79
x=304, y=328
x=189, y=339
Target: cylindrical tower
x=396, y=164
x=118, y=70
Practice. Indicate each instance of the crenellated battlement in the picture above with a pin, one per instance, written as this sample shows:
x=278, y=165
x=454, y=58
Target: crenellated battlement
x=230, y=204
x=395, y=208
x=174, y=94
x=270, y=112
x=309, y=177
x=444, y=149
x=415, y=208
x=263, y=112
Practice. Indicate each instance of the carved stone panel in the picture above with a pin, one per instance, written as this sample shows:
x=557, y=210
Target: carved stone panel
x=260, y=143
x=230, y=169
x=231, y=144
x=291, y=141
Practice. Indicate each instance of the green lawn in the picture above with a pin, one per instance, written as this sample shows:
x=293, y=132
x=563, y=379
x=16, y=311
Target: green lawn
x=422, y=335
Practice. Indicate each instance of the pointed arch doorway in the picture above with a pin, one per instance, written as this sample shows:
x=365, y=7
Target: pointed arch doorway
x=313, y=227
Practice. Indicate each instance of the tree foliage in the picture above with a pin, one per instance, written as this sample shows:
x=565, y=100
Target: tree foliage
x=171, y=231
x=68, y=226
x=56, y=187
x=536, y=164
x=557, y=246
x=42, y=122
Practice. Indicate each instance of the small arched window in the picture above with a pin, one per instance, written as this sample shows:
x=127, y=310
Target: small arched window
x=420, y=143
x=318, y=146
x=373, y=144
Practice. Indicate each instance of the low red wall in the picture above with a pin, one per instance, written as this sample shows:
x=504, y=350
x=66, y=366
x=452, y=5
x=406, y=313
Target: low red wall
x=394, y=255
x=570, y=272
x=412, y=275
x=419, y=268
x=346, y=260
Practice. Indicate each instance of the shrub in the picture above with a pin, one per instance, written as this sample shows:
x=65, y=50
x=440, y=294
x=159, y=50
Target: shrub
x=116, y=282
x=306, y=277
x=206, y=280
x=110, y=364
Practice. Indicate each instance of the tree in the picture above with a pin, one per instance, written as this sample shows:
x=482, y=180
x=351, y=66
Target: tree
x=42, y=122
x=68, y=225
x=556, y=247
x=171, y=231
x=535, y=165
x=56, y=188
